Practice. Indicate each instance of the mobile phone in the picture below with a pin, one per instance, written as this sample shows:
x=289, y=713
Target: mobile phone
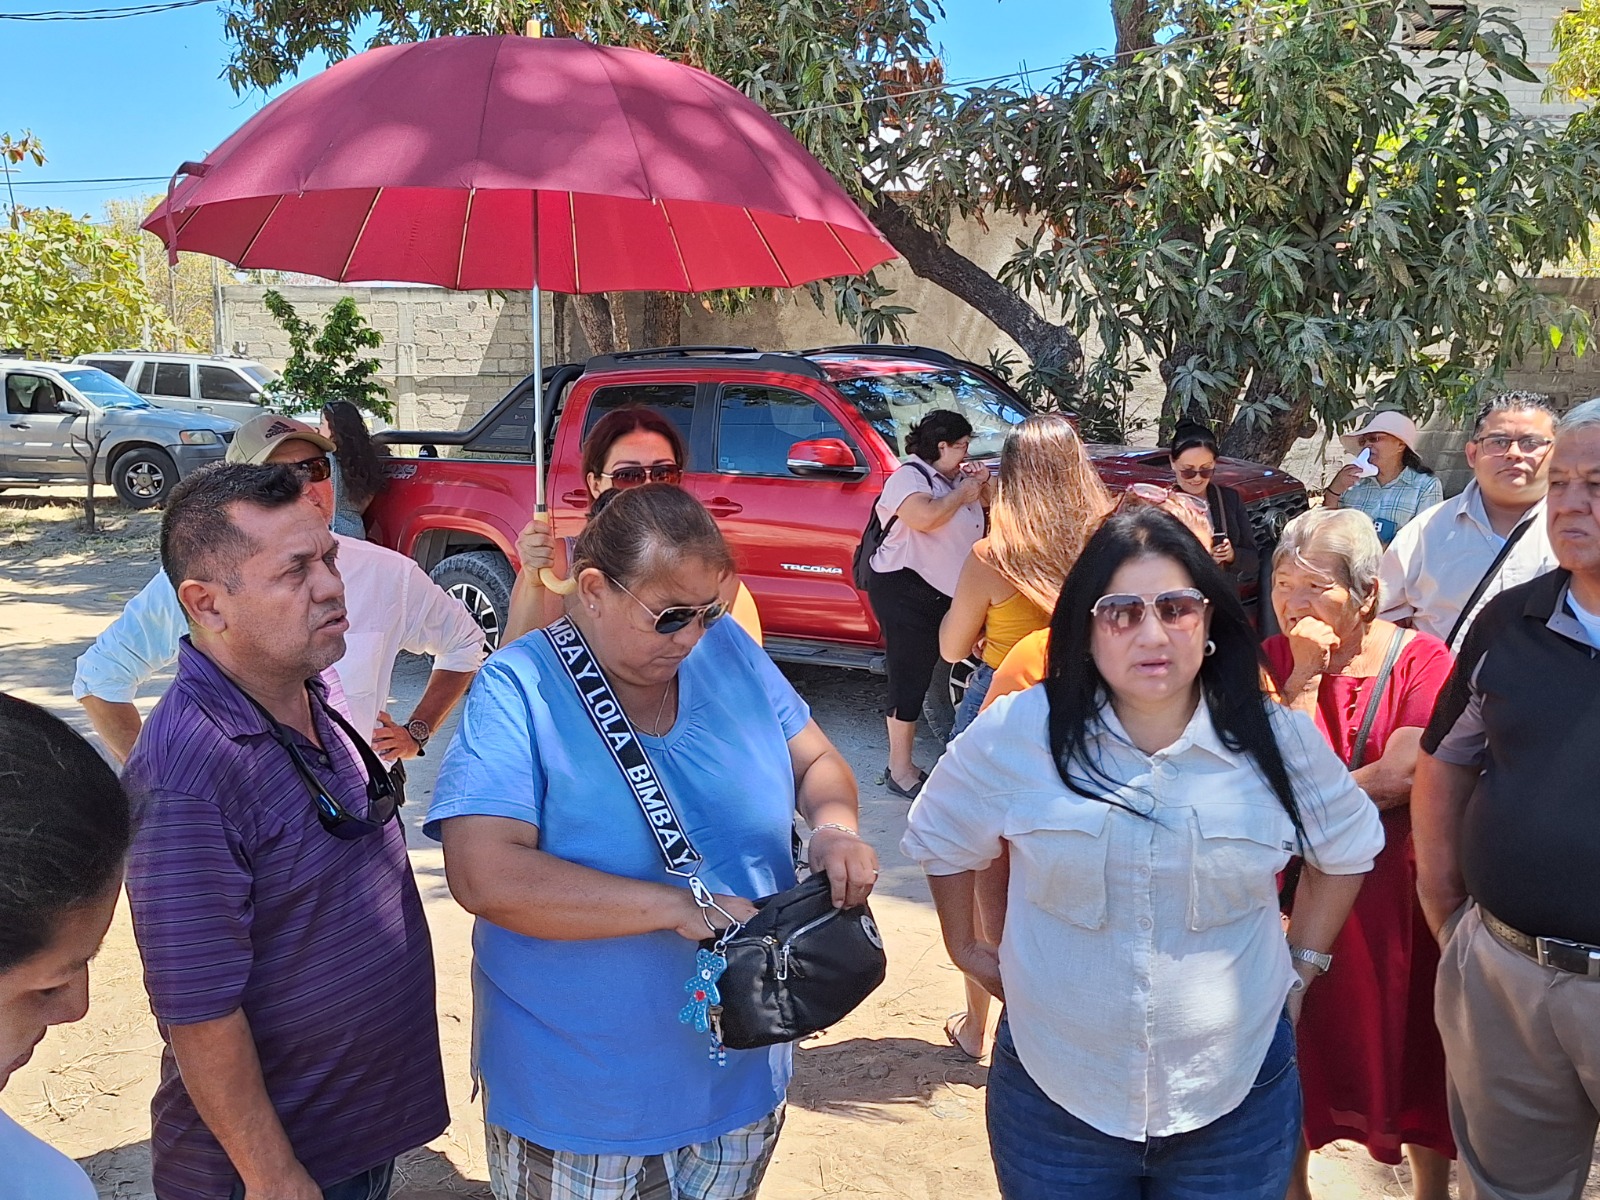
x=1217, y=540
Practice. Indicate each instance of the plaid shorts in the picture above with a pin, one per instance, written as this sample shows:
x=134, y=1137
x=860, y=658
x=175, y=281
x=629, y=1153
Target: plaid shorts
x=728, y=1168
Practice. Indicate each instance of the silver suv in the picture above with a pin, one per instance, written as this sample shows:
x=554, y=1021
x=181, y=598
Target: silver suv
x=221, y=384
x=57, y=414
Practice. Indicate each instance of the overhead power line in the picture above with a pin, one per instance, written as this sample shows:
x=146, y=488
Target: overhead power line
x=102, y=14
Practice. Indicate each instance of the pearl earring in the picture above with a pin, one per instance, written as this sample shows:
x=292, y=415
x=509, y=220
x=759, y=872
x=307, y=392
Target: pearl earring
x=1211, y=647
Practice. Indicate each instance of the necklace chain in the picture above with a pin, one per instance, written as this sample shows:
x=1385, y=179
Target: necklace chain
x=655, y=729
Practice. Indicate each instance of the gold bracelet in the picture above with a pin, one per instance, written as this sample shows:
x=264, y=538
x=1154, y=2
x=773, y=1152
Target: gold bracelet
x=855, y=833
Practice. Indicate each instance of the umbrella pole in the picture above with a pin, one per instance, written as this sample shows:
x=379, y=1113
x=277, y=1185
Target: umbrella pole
x=549, y=578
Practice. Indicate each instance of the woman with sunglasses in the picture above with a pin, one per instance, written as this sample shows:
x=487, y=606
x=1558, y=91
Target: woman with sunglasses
x=1403, y=486
x=1148, y=793
x=64, y=831
x=594, y=1086
x=627, y=448
x=1370, y=1056
x=1194, y=466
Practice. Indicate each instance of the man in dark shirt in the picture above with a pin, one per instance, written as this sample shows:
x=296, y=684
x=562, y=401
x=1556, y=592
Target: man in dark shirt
x=1506, y=812
x=285, y=952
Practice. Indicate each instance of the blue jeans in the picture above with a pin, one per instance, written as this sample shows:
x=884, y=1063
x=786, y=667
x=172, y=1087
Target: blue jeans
x=972, y=698
x=369, y=1185
x=1043, y=1152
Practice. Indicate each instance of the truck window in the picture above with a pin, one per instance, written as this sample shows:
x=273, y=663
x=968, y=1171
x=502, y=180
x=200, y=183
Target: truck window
x=756, y=425
x=674, y=401
x=172, y=379
x=220, y=383
x=115, y=367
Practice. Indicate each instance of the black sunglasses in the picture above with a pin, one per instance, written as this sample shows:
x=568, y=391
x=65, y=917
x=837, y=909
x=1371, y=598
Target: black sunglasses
x=312, y=470
x=671, y=620
x=627, y=477
x=384, y=798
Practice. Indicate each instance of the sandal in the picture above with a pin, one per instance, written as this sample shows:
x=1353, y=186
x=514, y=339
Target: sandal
x=909, y=793
x=955, y=1021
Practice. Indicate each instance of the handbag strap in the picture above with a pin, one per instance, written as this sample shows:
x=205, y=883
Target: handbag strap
x=1488, y=578
x=1359, y=753
x=622, y=740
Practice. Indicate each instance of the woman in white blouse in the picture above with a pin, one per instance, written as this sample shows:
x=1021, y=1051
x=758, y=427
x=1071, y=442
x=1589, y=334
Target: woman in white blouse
x=1149, y=793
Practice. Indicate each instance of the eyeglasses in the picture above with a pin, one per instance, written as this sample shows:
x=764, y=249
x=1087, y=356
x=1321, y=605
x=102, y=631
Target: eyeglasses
x=384, y=797
x=1155, y=495
x=1497, y=445
x=1123, y=612
x=312, y=470
x=671, y=620
x=627, y=477
x=1197, y=472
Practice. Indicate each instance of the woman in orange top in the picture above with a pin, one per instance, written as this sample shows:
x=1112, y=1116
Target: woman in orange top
x=1049, y=500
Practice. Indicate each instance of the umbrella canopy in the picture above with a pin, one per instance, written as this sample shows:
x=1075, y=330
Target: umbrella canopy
x=515, y=163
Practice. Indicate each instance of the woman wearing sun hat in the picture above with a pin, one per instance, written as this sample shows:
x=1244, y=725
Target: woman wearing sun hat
x=1404, y=485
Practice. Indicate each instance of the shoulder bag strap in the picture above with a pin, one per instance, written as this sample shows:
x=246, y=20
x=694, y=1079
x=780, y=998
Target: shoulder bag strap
x=1358, y=753
x=1483, y=584
x=618, y=734
x=890, y=523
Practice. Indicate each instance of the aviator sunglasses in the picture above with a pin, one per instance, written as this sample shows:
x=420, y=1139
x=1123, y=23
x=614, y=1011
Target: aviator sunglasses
x=1122, y=612
x=678, y=617
x=1197, y=472
x=628, y=477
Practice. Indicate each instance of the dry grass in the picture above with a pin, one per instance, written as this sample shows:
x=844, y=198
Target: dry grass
x=49, y=524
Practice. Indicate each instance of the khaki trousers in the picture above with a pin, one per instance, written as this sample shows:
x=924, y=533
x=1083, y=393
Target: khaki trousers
x=1522, y=1045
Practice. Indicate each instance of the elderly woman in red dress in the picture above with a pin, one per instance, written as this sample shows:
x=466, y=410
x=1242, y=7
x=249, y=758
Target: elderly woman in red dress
x=1371, y=1064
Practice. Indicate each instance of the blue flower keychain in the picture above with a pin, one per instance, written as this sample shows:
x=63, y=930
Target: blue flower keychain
x=704, y=998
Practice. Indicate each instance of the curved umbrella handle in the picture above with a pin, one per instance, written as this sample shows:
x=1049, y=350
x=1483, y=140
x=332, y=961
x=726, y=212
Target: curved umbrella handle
x=196, y=170
x=554, y=583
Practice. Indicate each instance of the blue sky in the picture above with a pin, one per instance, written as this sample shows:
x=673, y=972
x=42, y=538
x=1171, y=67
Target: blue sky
x=136, y=97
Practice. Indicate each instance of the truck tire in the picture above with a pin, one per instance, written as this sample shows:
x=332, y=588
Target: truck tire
x=481, y=580
x=144, y=476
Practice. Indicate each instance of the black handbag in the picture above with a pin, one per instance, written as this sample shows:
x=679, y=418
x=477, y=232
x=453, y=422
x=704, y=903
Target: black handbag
x=797, y=966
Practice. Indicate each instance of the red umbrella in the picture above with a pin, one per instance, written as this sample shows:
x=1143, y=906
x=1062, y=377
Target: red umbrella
x=512, y=163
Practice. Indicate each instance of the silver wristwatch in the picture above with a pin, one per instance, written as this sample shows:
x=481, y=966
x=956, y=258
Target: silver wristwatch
x=420, y=732
x=1314, y=958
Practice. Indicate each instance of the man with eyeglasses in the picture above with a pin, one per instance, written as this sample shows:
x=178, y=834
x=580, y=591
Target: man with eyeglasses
x=1444, y=566
x=394, y=606
x=285, y=951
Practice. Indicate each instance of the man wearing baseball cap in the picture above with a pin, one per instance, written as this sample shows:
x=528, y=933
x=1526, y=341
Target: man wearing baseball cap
x=1403, y=486
x=392, y=605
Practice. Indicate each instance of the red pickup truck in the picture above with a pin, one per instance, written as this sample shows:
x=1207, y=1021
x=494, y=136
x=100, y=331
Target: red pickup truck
x=787, y=450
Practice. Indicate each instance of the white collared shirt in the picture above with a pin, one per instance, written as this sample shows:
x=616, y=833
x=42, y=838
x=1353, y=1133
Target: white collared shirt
x=1434, y=563
x=392, y=605
x=1143, y=957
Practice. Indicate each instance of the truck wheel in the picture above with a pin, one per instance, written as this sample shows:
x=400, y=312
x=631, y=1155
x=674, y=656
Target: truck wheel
x=481, y=580
x=143, y=477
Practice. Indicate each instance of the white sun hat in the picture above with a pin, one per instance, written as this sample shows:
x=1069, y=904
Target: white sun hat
x=1395, y=424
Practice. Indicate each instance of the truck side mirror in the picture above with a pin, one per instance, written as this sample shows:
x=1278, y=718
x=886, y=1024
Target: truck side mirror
x=824, y=456
x=70, y=406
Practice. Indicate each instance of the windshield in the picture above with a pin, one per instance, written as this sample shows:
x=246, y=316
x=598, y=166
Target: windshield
x=893, y=403
x=103, y=389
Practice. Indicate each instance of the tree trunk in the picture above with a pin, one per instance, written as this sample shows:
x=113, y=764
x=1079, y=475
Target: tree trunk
x=604, y=327
x=1051, y=348
x=1135, y=22
x=1267, y=444
x=663, y=320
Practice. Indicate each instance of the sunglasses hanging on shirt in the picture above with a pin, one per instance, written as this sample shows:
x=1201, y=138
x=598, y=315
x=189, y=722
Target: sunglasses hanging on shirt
x=385, y=788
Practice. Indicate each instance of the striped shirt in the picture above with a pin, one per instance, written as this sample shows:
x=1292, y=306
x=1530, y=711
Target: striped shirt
x=241, y=900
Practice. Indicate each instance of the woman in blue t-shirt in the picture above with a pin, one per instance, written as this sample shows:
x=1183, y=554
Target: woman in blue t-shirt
x=584, y=942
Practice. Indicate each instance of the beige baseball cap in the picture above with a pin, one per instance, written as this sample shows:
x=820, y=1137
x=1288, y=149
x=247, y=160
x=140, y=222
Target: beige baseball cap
x=258, y=437
x=1396, y=424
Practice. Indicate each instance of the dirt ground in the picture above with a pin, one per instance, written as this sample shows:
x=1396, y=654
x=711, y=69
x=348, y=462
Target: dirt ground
x=881, y=1106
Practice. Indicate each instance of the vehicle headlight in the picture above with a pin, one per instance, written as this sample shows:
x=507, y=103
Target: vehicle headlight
x=199, y=437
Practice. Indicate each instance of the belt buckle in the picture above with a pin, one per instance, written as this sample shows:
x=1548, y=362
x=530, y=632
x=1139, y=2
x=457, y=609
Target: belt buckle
x=1572, y=957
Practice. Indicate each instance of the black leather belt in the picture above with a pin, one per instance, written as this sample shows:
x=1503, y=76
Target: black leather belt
x=1575, y=958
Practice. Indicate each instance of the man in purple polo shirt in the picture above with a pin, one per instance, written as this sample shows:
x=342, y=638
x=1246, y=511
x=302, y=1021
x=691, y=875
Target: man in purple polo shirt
x=285, y=952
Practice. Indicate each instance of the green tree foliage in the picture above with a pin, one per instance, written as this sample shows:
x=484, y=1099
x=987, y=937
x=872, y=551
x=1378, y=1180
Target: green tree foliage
x=68, y=287
x=1283, y=211
x=327, y=364
x=187, y=295
x=1576, y=39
